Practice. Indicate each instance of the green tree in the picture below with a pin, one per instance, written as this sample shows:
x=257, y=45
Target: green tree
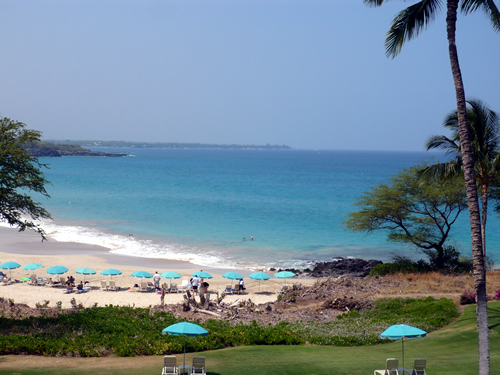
x=485, y=140
x=406, y=25
x=412, y=212
x=20, y=175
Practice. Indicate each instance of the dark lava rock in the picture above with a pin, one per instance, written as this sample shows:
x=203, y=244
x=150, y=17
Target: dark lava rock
x=344, y=267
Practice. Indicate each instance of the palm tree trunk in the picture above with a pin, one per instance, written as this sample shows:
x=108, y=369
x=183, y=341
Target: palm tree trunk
x=484, y=214
x=472, y=196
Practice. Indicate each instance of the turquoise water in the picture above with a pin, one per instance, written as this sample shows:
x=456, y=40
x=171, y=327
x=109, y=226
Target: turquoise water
x=198, y=205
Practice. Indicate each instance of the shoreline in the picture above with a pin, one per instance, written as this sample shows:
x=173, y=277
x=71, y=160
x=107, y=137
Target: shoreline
x=26, y=247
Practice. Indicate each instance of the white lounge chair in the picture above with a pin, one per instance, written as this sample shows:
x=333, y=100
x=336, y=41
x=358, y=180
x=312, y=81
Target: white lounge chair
x=112, y=286
x=170, y=365
x=173, y=288
x=198, y=366
x=184, y=285
x=143, y=287
x=391, y=368
x=419, y=367
x=104, y=285
x=33, y=280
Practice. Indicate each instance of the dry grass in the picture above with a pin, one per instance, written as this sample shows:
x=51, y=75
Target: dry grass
x=437, y=285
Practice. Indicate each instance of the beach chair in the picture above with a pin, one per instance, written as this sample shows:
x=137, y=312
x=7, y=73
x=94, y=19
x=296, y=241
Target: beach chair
x=173, y=288
x=391, y=368
x=228, y=289
x=419, y=367
x=184, y=285
x=112, y=286
x=33, y=280
x=198, y=366
x=170, y=365
x=6, y=281
x=104, y=285
x=143, y=287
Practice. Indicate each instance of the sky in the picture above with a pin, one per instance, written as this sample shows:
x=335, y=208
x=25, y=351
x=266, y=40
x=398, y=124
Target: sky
x=311, y=74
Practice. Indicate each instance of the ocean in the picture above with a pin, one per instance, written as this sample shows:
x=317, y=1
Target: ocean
x=205, y=206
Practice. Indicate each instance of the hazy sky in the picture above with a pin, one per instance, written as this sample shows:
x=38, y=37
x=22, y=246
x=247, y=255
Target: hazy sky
x=310, y=73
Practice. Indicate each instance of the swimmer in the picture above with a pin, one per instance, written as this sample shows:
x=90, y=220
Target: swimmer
x=251, y=238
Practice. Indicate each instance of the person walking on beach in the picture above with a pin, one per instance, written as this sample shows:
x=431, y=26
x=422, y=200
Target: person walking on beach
x=156, y=280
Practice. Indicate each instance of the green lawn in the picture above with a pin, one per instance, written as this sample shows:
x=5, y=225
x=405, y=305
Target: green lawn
x=450, y=350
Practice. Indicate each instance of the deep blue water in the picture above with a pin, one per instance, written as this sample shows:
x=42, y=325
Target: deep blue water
x=198, y=205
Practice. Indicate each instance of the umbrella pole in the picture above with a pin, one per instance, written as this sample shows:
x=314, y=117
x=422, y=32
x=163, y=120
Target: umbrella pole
x=403, y=344
x=184, y=367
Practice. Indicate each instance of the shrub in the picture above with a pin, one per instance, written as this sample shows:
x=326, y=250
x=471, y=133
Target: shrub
x=406, y=267
x=467, y=298
x=497, y=295
x=127, y=331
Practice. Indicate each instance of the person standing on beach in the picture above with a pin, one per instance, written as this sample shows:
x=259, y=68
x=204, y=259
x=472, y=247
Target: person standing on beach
x=241, y=287
x=194, y=284
x=156, y=280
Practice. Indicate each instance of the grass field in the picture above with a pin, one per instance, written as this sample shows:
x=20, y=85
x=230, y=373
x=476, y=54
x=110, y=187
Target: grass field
x=450, y=350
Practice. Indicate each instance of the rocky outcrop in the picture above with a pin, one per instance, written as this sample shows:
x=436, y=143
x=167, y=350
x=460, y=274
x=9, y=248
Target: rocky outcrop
x=343, y=267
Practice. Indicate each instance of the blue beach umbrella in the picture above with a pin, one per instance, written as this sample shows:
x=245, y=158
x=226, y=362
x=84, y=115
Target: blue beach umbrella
x=232, y=276
x=186, y=329
x=142, y=274
x=111, y=272
x=259, y=276
x=10, y=266
x=402, y=331
x=57, y=270
x=171, y=275
x=202, y=275
x=32, y=267
x=284, y=275
x=85, y=271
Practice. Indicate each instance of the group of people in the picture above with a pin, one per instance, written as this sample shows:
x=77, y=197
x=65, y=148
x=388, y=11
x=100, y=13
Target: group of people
x=197, y=283
x=70, y=284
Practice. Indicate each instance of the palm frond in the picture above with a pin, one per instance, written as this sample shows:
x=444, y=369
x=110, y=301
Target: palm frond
x=441, y=142
x=409, y=23
x=488, y=6
x=448, y=170
x=373, y=3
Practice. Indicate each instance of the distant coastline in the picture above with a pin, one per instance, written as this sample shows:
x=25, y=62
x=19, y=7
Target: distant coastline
x=49, y=149
x=175, y=145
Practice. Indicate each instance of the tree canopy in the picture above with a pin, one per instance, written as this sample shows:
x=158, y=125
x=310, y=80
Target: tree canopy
x=20, y=175
x=485, y=141
x=411, y=211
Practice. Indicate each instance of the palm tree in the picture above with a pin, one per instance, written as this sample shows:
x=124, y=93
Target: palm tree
x=485, y=137
x=406, y=25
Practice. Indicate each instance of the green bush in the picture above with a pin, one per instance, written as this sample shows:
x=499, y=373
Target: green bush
x=126, y=331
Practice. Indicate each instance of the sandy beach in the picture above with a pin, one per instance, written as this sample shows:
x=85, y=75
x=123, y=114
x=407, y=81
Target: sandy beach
x=26, y=247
